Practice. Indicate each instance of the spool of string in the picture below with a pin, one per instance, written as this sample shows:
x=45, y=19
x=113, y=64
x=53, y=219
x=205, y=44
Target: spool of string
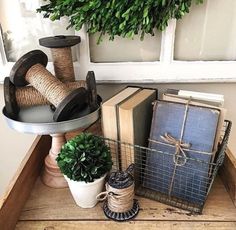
x=30, y=68
x=60, y=47
x=29, y=96
x=63, y=64
x=49, y=86
x=118, y=200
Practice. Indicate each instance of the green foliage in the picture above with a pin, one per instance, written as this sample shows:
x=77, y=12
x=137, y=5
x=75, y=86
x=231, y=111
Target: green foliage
x=118, y=17
x=84, y=158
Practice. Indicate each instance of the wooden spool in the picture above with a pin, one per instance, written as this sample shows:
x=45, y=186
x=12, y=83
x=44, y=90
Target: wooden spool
x=61, y=54
x=22, y=97
x=11, y=105
x=119, y=181
x=30, y=68
x=92, y=91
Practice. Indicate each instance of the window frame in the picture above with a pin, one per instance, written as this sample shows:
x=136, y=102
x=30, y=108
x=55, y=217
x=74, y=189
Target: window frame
x=167, y=70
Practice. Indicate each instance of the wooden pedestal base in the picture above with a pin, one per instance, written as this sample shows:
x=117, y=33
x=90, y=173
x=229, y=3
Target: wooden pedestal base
x=52, y=175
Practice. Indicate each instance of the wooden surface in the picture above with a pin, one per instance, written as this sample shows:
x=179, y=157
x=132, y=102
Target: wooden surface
x=48, y=208
x=20, y=187
x=106, y=225
x=228, y=174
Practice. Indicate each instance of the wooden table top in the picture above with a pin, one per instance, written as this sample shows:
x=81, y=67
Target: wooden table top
x=49, y=208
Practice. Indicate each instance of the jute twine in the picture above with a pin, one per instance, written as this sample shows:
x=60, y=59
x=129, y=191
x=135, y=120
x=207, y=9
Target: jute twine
x=179, y=145
x=49, y=86
x=119, y=200
x=63, y=64
x=179, y=157
x=29, y=96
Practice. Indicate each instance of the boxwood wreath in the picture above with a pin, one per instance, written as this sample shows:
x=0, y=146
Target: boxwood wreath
x=84, y=158
x=124, y=18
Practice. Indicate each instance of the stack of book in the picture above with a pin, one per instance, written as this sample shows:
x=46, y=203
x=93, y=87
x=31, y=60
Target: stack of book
x=208, y=100
x=197, y=126
x=190, y=119
x=127, y=117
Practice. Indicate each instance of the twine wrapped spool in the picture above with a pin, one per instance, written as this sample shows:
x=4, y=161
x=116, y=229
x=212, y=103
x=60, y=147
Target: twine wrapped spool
x=30, y=68
x=119, y=199
x=29, y=96
x=62, y=55
x=22, y=97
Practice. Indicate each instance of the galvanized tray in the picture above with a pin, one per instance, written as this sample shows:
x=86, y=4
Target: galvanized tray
x=39, y=120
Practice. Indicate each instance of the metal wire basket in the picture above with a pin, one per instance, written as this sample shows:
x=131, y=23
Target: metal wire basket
x=191, y=183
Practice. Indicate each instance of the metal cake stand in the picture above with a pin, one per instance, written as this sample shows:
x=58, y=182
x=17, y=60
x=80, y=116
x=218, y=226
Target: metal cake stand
x=39, y=120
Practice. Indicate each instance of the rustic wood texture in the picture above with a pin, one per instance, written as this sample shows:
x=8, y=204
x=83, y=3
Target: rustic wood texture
x=74, y=101
x=59, y=41
x=21, y=67
x=10, y=99
x=231, y=157
x=49, y=208
x=52, y=175
x=21, y=185
x=92, y=90
x=228, y=174
x=49, y=204
x=105, y=225
x=94, y=128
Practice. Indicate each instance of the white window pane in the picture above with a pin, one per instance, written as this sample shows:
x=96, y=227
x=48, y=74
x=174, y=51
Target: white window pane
x=208, y=32
x=22, y=27
x=125, y=49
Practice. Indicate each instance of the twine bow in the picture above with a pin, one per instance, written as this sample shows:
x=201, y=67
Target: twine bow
x=104, y=195
x=179, y=145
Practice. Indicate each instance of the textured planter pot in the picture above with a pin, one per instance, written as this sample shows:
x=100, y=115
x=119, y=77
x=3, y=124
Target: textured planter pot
x=85, y=194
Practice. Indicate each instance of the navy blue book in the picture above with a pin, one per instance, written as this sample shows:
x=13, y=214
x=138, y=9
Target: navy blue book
x=185, y=177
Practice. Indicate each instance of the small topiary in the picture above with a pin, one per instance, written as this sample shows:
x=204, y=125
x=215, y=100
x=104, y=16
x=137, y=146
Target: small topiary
x=86, y=157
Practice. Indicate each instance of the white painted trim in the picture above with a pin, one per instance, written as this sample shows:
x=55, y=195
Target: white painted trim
x=84, y=58
x=163, y=71
x=167, y=43
x=167, y=70
x=3, y=58
x=153, y=72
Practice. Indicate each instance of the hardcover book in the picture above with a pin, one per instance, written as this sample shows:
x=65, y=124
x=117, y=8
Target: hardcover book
x=170, y=97
x=182, y=174
x=109, y=114
x=208, y=98
x=135, y=116
x=110, y=119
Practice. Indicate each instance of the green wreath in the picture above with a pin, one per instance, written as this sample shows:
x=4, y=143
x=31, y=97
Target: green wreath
x=124, y=18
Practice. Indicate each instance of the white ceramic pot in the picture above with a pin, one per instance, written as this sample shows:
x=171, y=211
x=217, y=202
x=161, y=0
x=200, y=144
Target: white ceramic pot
x=85, y=194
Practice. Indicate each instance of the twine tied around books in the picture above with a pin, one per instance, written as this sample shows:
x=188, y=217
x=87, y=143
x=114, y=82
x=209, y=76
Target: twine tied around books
x=179, y=145
x=119, y=200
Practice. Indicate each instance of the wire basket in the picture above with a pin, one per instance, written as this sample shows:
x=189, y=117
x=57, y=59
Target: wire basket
x=191, y=183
